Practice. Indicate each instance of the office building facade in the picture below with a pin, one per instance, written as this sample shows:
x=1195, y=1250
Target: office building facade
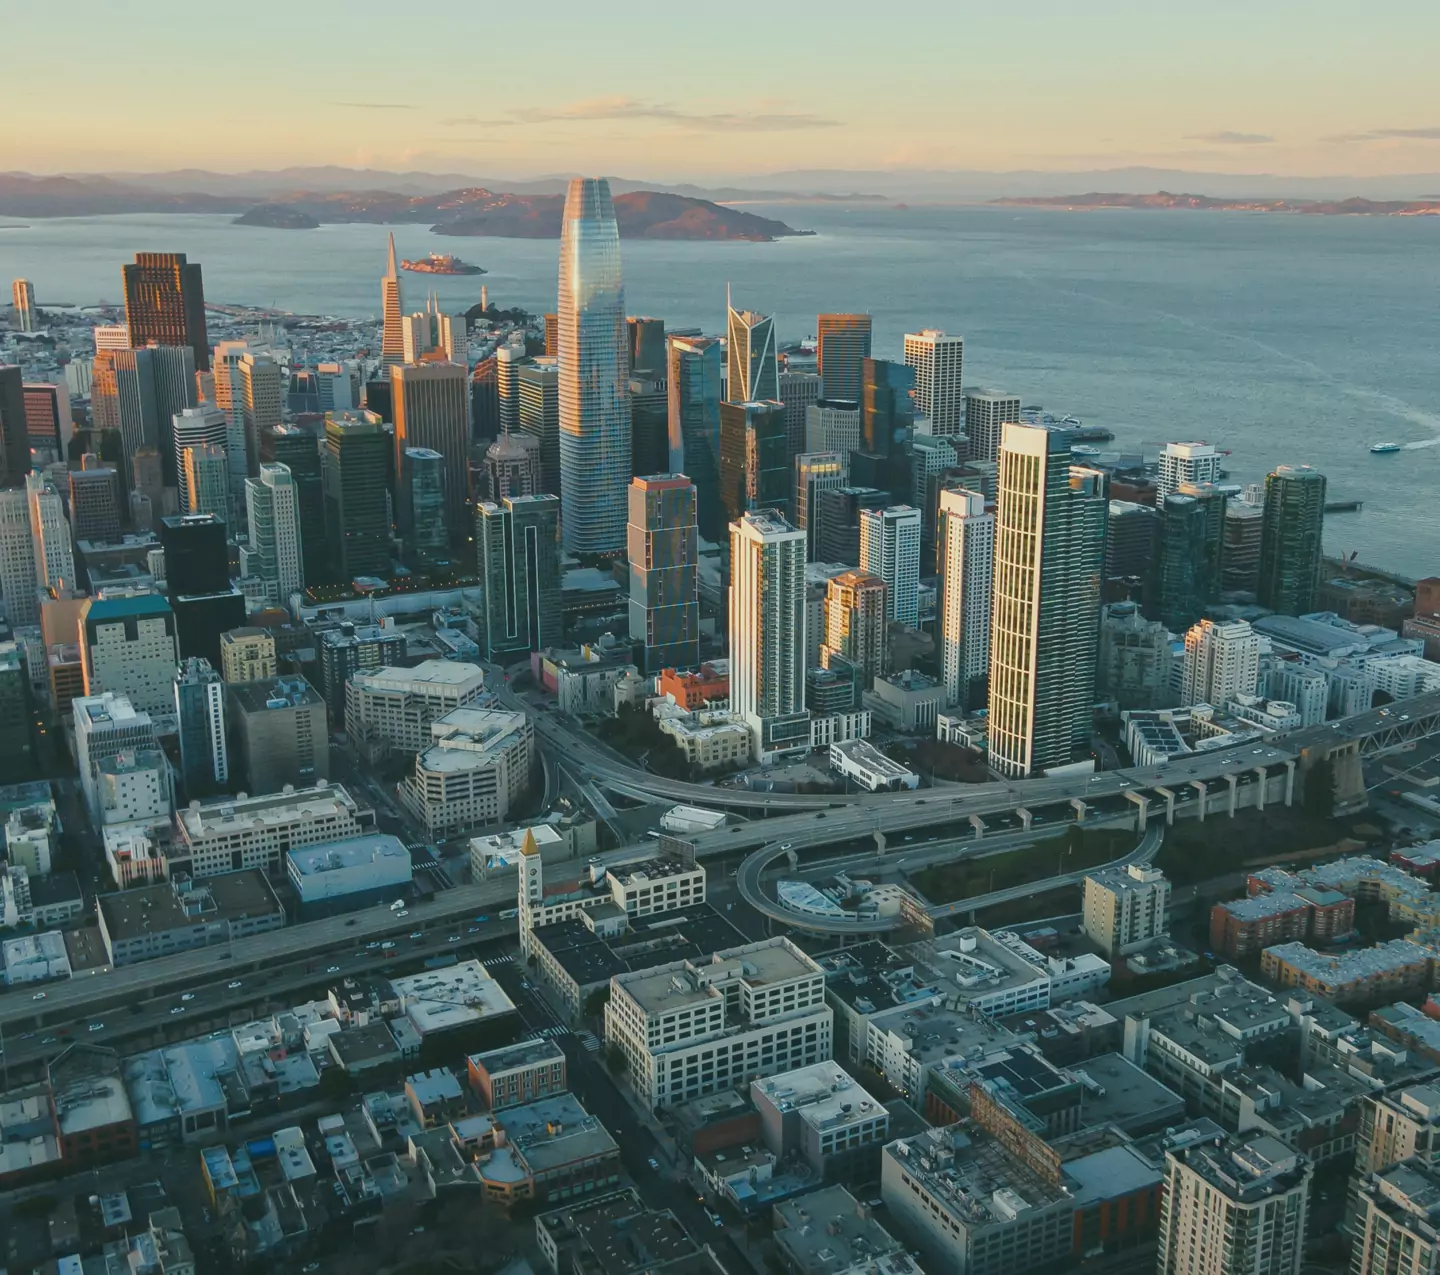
x=856, y=623
x=518, y=556
x=299, y=451
x=537, y=417
x=844, y=346
x=890, y=549
x=1292, y=539
x=1182, y=463
x=986, y=414
x=273, y=555
x=1185, y=569
x=939, y=363
x=165, y=304
x=129, y=647
x=752, y=370
x=755, y=468
x=392, y=313
x=357, y=523
x=431, y=405
x=662, y=540
x=422, y=513
x=965, y=550
x=693, y=386
x=196, y=427
x=798, y=390
x=815, y=472
x=204, y=741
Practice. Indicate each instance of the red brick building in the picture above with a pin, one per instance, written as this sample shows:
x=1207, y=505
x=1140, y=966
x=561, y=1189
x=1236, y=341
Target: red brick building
x=694, y=691
x=1245, y=927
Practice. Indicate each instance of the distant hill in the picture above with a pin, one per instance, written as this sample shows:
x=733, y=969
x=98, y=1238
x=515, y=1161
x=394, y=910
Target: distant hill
x=1164, y=199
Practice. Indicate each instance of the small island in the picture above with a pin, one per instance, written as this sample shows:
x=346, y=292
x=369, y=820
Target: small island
x=277, y=217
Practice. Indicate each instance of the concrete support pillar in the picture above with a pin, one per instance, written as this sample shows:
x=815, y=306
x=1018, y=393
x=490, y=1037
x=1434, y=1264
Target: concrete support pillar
x=793, y=859
x=1234, y=795
x=1289, y=782
x=979, y=825
x=1143, y=803
x=1081, y=809
x=1263, y=777
x=1201, y=792
x=1026, y=818
x=1169, y=796
x=879, y=842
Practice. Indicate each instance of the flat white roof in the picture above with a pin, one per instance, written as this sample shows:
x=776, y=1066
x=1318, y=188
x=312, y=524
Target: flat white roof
x=354, y=852
x=450, y=997
x=440, y=674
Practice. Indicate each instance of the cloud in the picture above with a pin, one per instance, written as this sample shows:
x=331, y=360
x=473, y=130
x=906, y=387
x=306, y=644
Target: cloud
x=474, y=121
x=376, y=106
x=1228, y=138
x=1387, y=135
x=630, y=108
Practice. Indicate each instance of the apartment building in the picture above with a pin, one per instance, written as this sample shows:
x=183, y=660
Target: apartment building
x=514, y=1075
x=1125, y=908
x=1397, y=1230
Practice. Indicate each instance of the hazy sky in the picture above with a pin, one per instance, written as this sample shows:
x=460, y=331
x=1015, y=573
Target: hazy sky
x=683, y=88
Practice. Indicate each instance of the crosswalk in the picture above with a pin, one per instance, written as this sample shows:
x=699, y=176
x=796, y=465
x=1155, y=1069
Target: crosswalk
x=590, y=1041
x=496, y=961
x=553, y=1030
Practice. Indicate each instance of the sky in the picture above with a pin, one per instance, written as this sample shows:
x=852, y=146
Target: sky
x=690, y=90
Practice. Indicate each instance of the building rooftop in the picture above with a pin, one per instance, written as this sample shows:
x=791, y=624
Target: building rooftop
x=1108, y=1174
x=353, y=852
x=268, y=693
x=153, y=909
x=1350, y=967
x=825, y=1095
x=435, y=1000
x=863, y=753
x=673, y=986
x=1246, y=1168
x=827, y=1232
x=440, y=675
x=527, y=1053
x=1259, y=906
x=660, y=939
x=1120, y=1093
x=555, y=1131
x=231, y=815
x=1133, y=877
x=871, y=977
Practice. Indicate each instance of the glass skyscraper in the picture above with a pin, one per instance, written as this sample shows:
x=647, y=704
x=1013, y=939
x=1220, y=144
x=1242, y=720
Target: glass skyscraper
x=664, y=579
x=594, y=358
x=1291, y=539
x=693, y=385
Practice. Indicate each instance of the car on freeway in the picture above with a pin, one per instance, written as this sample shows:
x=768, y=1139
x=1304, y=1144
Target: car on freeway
x=370, y=947
x=385, y=946
x=187, y=996
x=177, y=1009
x=332, y=969
x=39, y=996
x=50, y=1040
x=417, y=934
x=454, y=938
x=474, y=929
x=233, y=984
x=95, y=1027
x=403, y=912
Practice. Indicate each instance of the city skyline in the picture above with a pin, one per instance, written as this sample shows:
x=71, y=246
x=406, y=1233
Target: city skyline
x=1296, y=99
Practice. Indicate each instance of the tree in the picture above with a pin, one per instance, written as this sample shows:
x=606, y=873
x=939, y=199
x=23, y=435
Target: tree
x=1319, y=798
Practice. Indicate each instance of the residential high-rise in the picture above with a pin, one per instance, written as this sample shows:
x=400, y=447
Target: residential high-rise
x=965, y=552
x=392, y=311
x=512, y=468
x=200, y=712
x=1222, y=660
x=94, y=501
x=840, y=509
x=14, y=429
x=421, y=516
x=856, y=623
x=1045, y=611
x=833, y=426
x=1397, y=1227
x=814, y=472
x=798, y=390
x=646, y=343
x=752, y=373
x=767, y=632
x=939, y=362
x=197, y=427
x=890, y=549
x=662, y=541
x=1240, y=562
x=693, y=385
x=165, y=304
x=128, y=645
x=431, y=404
x=1185, y=570
x=1233, y=1204
x=1136, y=665
x=1292, y=539
x=355, y=466
x=1185, y=463
x=1126, y=908
x=537, y=389
x=299, y=451
x=509, y=360
x=755, y=468
x=518, y=556
x=23, y=293
x=205, y=475
x=273, y=554
x=262, y=396
x=1397, y=1125
x=844, y=346
x=986, y=413
x=594, y=373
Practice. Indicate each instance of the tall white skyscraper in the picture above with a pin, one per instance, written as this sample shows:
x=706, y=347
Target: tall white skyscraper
x=202, y=427
x=205, y=479
x=23, y=293
x=1221, y=661
x=273, y=553
x=938, y=361
x=49, y=534
x=965, y=551
x=1045, y=602
x=767, y=632
x=890, y=549
x=262, y=397
x=17, y=559
x=986, y=413
x=1185, y=463
x=392, y=337
x=594, y=354
x=752, y=371
x=230, y=400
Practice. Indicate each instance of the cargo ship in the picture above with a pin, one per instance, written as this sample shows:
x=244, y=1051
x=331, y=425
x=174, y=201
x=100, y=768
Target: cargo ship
x=440, y=263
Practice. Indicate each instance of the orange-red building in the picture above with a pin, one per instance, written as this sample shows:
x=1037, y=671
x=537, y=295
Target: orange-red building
x=694, y=691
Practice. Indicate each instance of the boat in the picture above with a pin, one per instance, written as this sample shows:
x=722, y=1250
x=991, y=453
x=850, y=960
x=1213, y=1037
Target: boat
x=440, y=263
x=1384, y=449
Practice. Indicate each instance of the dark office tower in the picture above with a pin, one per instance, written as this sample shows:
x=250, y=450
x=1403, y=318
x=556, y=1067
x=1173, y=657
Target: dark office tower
x=512, y=468
x=752, y=373
x=814, y=472
x=17, y=740
x=147, y=488
x=14, y=434
x=538, y=416
x=844, y=346
x=420, y=497
x=693, y=385
x=840, y=507
x=94, y=501
x=484, y=401
x=355, y=465
x=662, y=542
x=1129, y=544
x=165, y=304
x=517, y=549
x=347, y=650
x=197, y=581
x=299, y=450
x=649, y=423
x=755, y=470
x=798, y=390
x=47, y=421
x=1244, y=523
x=200, y=714
x=1185, y=571
x=887, y=426
x=1291, y=540
x=377, y=398
x=646, y=338
x=552, y=336
x=432, y=410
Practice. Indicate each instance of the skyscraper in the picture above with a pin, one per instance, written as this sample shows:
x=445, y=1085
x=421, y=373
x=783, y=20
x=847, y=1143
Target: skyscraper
x=752, y=373
x=431, y=403
x=94, y=501
x=593, y=363
x=421, y=515
x=392, y=311
x=196, y=427
x=663, y=546
x=230, y=399
x=965, y=551
x=205, y=477
x=798, y=390
x=1045, y=612
x=273, y=554
x=518, y=556
x=890, y=550
x=299, y=451
x=509, y=361
x=14, y=430
x=23, y=293
x=1185, y=570
x=17, y=558
x=262, y=394
x=840, y=507
x=200, y=712
x=165, y=304
x=537, y=386
x=512, y=468
x=1240, y=562
x=354, y=467
x=887, y=428
x=649, y=424
x=1185, y=463
x=128, y=645
x=938, y=361
x=1292, y=539
x=646, y=339
x=755, y=471
x=1222, y=660
x=856, y=623
x=49, y=535
x=767, y=632
x=986, y=414
x=48, y=422
x=693, y=385
x=138, y=392
x=833, y=426
x=844, y=346
x=814, y=472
